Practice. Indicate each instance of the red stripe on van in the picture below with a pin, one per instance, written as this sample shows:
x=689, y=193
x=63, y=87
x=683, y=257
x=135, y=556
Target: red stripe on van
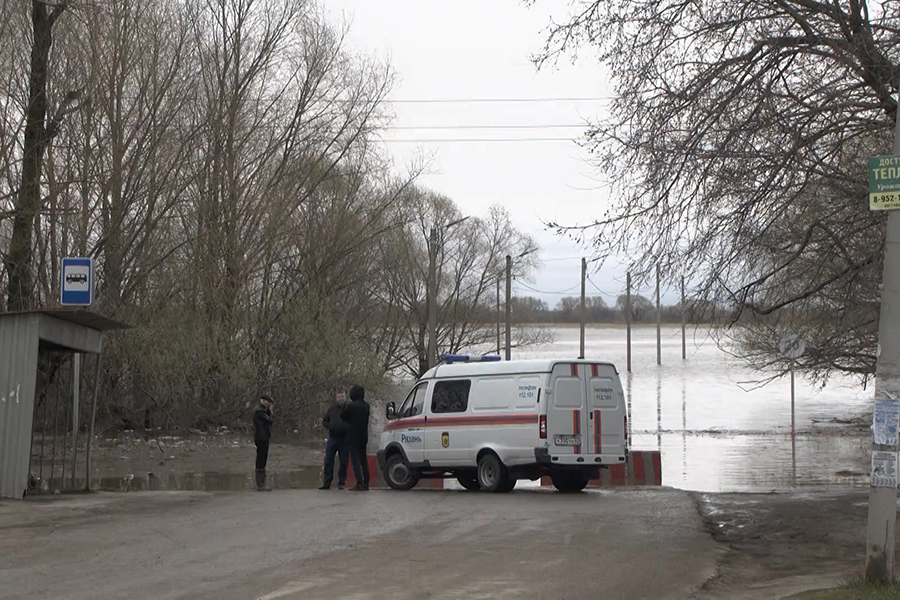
x=574, y=370
x=576, y=427
x=462, y=421
x=594, y=370
x=404, y=424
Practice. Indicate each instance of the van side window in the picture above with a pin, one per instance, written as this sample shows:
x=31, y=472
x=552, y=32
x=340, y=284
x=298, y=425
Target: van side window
x=451, y=396
x=418, y=401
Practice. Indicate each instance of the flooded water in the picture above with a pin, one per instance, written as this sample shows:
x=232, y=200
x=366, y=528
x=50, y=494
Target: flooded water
x=716, y=430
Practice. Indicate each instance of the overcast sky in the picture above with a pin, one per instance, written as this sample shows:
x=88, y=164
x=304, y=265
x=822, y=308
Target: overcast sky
x=478, y=49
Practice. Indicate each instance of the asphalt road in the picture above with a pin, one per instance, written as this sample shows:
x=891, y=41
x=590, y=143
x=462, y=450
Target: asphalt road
x=309, y=544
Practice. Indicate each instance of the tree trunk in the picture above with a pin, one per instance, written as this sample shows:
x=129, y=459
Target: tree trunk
x=20, y=295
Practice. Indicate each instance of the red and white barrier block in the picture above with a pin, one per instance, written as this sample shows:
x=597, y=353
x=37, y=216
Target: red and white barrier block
x=642, y=468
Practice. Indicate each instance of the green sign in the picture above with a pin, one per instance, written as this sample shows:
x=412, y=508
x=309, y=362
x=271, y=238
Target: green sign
x=884, y=182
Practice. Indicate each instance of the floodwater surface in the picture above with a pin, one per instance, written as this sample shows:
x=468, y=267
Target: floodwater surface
x=718, y=430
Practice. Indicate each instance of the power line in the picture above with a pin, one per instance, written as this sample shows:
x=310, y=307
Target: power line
x=458, y=127
x=479, y=140
x=537, y=291
x=496, y=100
x=607, y=294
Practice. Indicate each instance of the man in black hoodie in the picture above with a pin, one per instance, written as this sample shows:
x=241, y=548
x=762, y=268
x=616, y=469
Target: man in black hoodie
x=356, y=416
x=263, y=418
x=336, y=444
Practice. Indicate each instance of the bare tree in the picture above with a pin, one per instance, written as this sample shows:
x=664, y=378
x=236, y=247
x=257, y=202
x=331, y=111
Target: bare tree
x=38, y=134
x=737, y=144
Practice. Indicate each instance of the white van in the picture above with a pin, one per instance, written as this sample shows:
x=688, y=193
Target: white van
x=491, y=423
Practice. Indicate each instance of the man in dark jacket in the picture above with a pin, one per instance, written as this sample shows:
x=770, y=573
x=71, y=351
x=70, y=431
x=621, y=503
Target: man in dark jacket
x=356, y=416
x=263, y=418
x=336, y=444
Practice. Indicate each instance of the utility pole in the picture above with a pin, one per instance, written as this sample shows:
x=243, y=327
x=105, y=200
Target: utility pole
x=431, y=302
x=628, y=319
x=583, y=277
x=498, y=315
x=508, y=307
x=683, y=320
x=880, y=530
x=658, y=319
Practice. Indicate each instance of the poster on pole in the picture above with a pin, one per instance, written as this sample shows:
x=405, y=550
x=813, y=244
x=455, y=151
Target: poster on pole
x=884, y=469
x=884, y=182
x=885, y=419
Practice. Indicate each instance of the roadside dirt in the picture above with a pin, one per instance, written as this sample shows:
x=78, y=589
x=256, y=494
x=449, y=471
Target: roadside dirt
x=779, y=544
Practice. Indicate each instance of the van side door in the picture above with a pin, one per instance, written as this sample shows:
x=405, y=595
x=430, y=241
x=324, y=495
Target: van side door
x=447, y=431
x=409, y=427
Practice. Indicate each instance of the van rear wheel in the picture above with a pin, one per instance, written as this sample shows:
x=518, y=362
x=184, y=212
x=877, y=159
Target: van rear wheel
x=569, y=482
x=398, y=475
x=493, y=475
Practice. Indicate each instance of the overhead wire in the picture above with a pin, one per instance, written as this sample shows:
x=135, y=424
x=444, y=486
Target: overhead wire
x=594, y=285
x=496, y=100
x=480, y=140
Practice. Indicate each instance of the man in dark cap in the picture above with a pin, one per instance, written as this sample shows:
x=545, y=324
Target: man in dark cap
x=263, y=418
x=356, y=416
x=336, y=444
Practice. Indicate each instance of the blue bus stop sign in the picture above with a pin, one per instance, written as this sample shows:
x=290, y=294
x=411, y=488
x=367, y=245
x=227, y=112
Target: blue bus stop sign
x=77, y=288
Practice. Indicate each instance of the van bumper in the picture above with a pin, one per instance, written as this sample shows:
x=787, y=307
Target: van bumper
x=380, y=456
x=542, y=456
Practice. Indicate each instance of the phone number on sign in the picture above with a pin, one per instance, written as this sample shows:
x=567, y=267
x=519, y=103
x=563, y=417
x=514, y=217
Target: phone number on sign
x=889, y=198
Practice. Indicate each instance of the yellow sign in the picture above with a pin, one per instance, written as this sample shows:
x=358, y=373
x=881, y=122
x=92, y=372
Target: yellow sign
x=445, y=440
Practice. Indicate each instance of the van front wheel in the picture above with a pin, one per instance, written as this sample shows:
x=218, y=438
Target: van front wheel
x=398, y=475
x=493, y=476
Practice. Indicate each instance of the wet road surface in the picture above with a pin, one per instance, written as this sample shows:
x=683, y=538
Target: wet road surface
x=309, y=544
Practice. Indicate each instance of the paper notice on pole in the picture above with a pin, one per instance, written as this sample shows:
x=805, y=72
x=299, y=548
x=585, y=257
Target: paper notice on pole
x=885, y=420
x=884, y=469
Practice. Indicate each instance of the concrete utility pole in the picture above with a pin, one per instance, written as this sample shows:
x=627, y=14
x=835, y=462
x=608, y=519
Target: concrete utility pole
x=583, y=277
x=880, y=532
x=431, y=293
x=498, y=315
x=431, y=288
x=508, y=307
x=658, y=320
x=683, y=320
x=628, y=320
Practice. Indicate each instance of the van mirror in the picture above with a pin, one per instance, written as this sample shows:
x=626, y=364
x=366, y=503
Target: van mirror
x=390, y=411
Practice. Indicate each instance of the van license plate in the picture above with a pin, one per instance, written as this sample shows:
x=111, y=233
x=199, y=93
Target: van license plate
x=567, y=440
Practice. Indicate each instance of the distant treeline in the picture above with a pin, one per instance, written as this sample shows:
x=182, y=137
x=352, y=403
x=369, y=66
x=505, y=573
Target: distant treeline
x=527, y=309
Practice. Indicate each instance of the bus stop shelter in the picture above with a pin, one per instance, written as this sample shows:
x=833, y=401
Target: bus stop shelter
x=40, y=382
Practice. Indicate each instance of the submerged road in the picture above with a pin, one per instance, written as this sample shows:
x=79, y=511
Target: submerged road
x=323, y=545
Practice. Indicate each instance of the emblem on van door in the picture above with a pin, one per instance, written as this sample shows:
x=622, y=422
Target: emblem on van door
x=445, y=439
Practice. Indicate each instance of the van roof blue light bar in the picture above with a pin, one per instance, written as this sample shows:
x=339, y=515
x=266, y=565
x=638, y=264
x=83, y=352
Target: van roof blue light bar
x=453, y=358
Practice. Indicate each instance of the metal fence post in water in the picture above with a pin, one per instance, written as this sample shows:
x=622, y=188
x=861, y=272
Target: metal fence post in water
x=628, y=321
x=658, y=321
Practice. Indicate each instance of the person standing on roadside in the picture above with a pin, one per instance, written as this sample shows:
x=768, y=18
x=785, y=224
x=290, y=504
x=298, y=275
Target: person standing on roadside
x=263, y=418
x=336, y=444
x=356, y=416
